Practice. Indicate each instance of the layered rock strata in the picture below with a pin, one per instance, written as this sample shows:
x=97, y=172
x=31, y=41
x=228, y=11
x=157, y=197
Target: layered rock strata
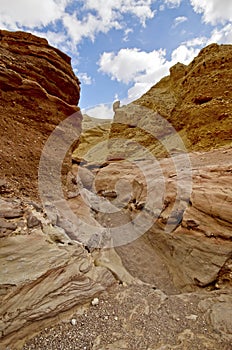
x=43, y=272
x=194, y=101
x=38, y=91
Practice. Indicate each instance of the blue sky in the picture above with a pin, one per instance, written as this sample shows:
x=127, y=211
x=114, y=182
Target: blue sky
x=120, y=48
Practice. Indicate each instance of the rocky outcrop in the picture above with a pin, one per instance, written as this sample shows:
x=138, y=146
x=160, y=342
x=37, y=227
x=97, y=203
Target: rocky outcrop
x=166, y=214
x=151, y=227
x=93, y=143
x=187, y=195
x=38, y=91
x=43, y=272
x=196, y=101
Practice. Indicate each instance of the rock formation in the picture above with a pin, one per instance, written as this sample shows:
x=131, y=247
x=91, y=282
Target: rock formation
x=164, y=165
x=145, y=215
x=38, y=91
x=93, y=143
x=187, y=194
x=195, y=99
x=43, y=272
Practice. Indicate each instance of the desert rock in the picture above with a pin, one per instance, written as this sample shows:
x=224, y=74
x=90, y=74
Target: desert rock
x=38, y=91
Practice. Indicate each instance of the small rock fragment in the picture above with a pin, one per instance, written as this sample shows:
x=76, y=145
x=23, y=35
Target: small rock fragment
x=73, y=321
x=191, y=317
x=32, y=221
x=95, y=301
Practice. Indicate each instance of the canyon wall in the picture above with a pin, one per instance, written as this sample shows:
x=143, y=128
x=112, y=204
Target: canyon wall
x=38, y=91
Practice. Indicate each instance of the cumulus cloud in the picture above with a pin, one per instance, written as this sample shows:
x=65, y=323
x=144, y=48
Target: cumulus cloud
x=129, y=64
x=31, y=14
x=101, y=16
x=101, y=111
x=84, y=78
x=221, y=36
x=142, y=69
x=112, y=10
x=183, y=54
x=214, y=11
x=87, y=27
x=91, y=18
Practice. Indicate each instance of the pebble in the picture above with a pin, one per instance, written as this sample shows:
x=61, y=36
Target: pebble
x=73, y=321
x=191, y=317
x=95, y=301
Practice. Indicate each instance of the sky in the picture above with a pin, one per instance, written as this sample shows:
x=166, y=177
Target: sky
x=121, y=48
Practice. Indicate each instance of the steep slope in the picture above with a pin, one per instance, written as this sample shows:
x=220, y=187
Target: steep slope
x=38, y=91
x=196, y=100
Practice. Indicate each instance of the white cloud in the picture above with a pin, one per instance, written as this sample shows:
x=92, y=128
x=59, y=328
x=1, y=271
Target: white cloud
x=142, y=69
x=31, y=14
x=173, y=3
x=107, y=15
x=199, y=41
x=179, y=20
x=112, y=9
x=126, y=34
x=84, y=78
x=101, y=111
x=221, y=36
x=86, y=27
x=214, y=11
x=128, y=64
x=184, y=54
x=91, y=18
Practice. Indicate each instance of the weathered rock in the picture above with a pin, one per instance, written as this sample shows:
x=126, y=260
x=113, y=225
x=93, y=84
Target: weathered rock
x=192, y=240
x=39, y=280
x=10, y=210
x=38, y=91
x=6, y=227
x=32, y=221
x=195, y=100
x=93, y=143
x=190, y=110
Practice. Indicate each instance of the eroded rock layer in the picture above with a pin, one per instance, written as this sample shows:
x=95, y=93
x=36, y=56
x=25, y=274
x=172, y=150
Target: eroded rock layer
x=38, y=91
x=43, y=272
x=194, y=101
x=158, y=215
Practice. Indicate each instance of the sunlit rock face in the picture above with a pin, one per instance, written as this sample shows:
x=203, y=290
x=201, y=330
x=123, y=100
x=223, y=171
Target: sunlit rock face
x=194, y=100
x=169, y=153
